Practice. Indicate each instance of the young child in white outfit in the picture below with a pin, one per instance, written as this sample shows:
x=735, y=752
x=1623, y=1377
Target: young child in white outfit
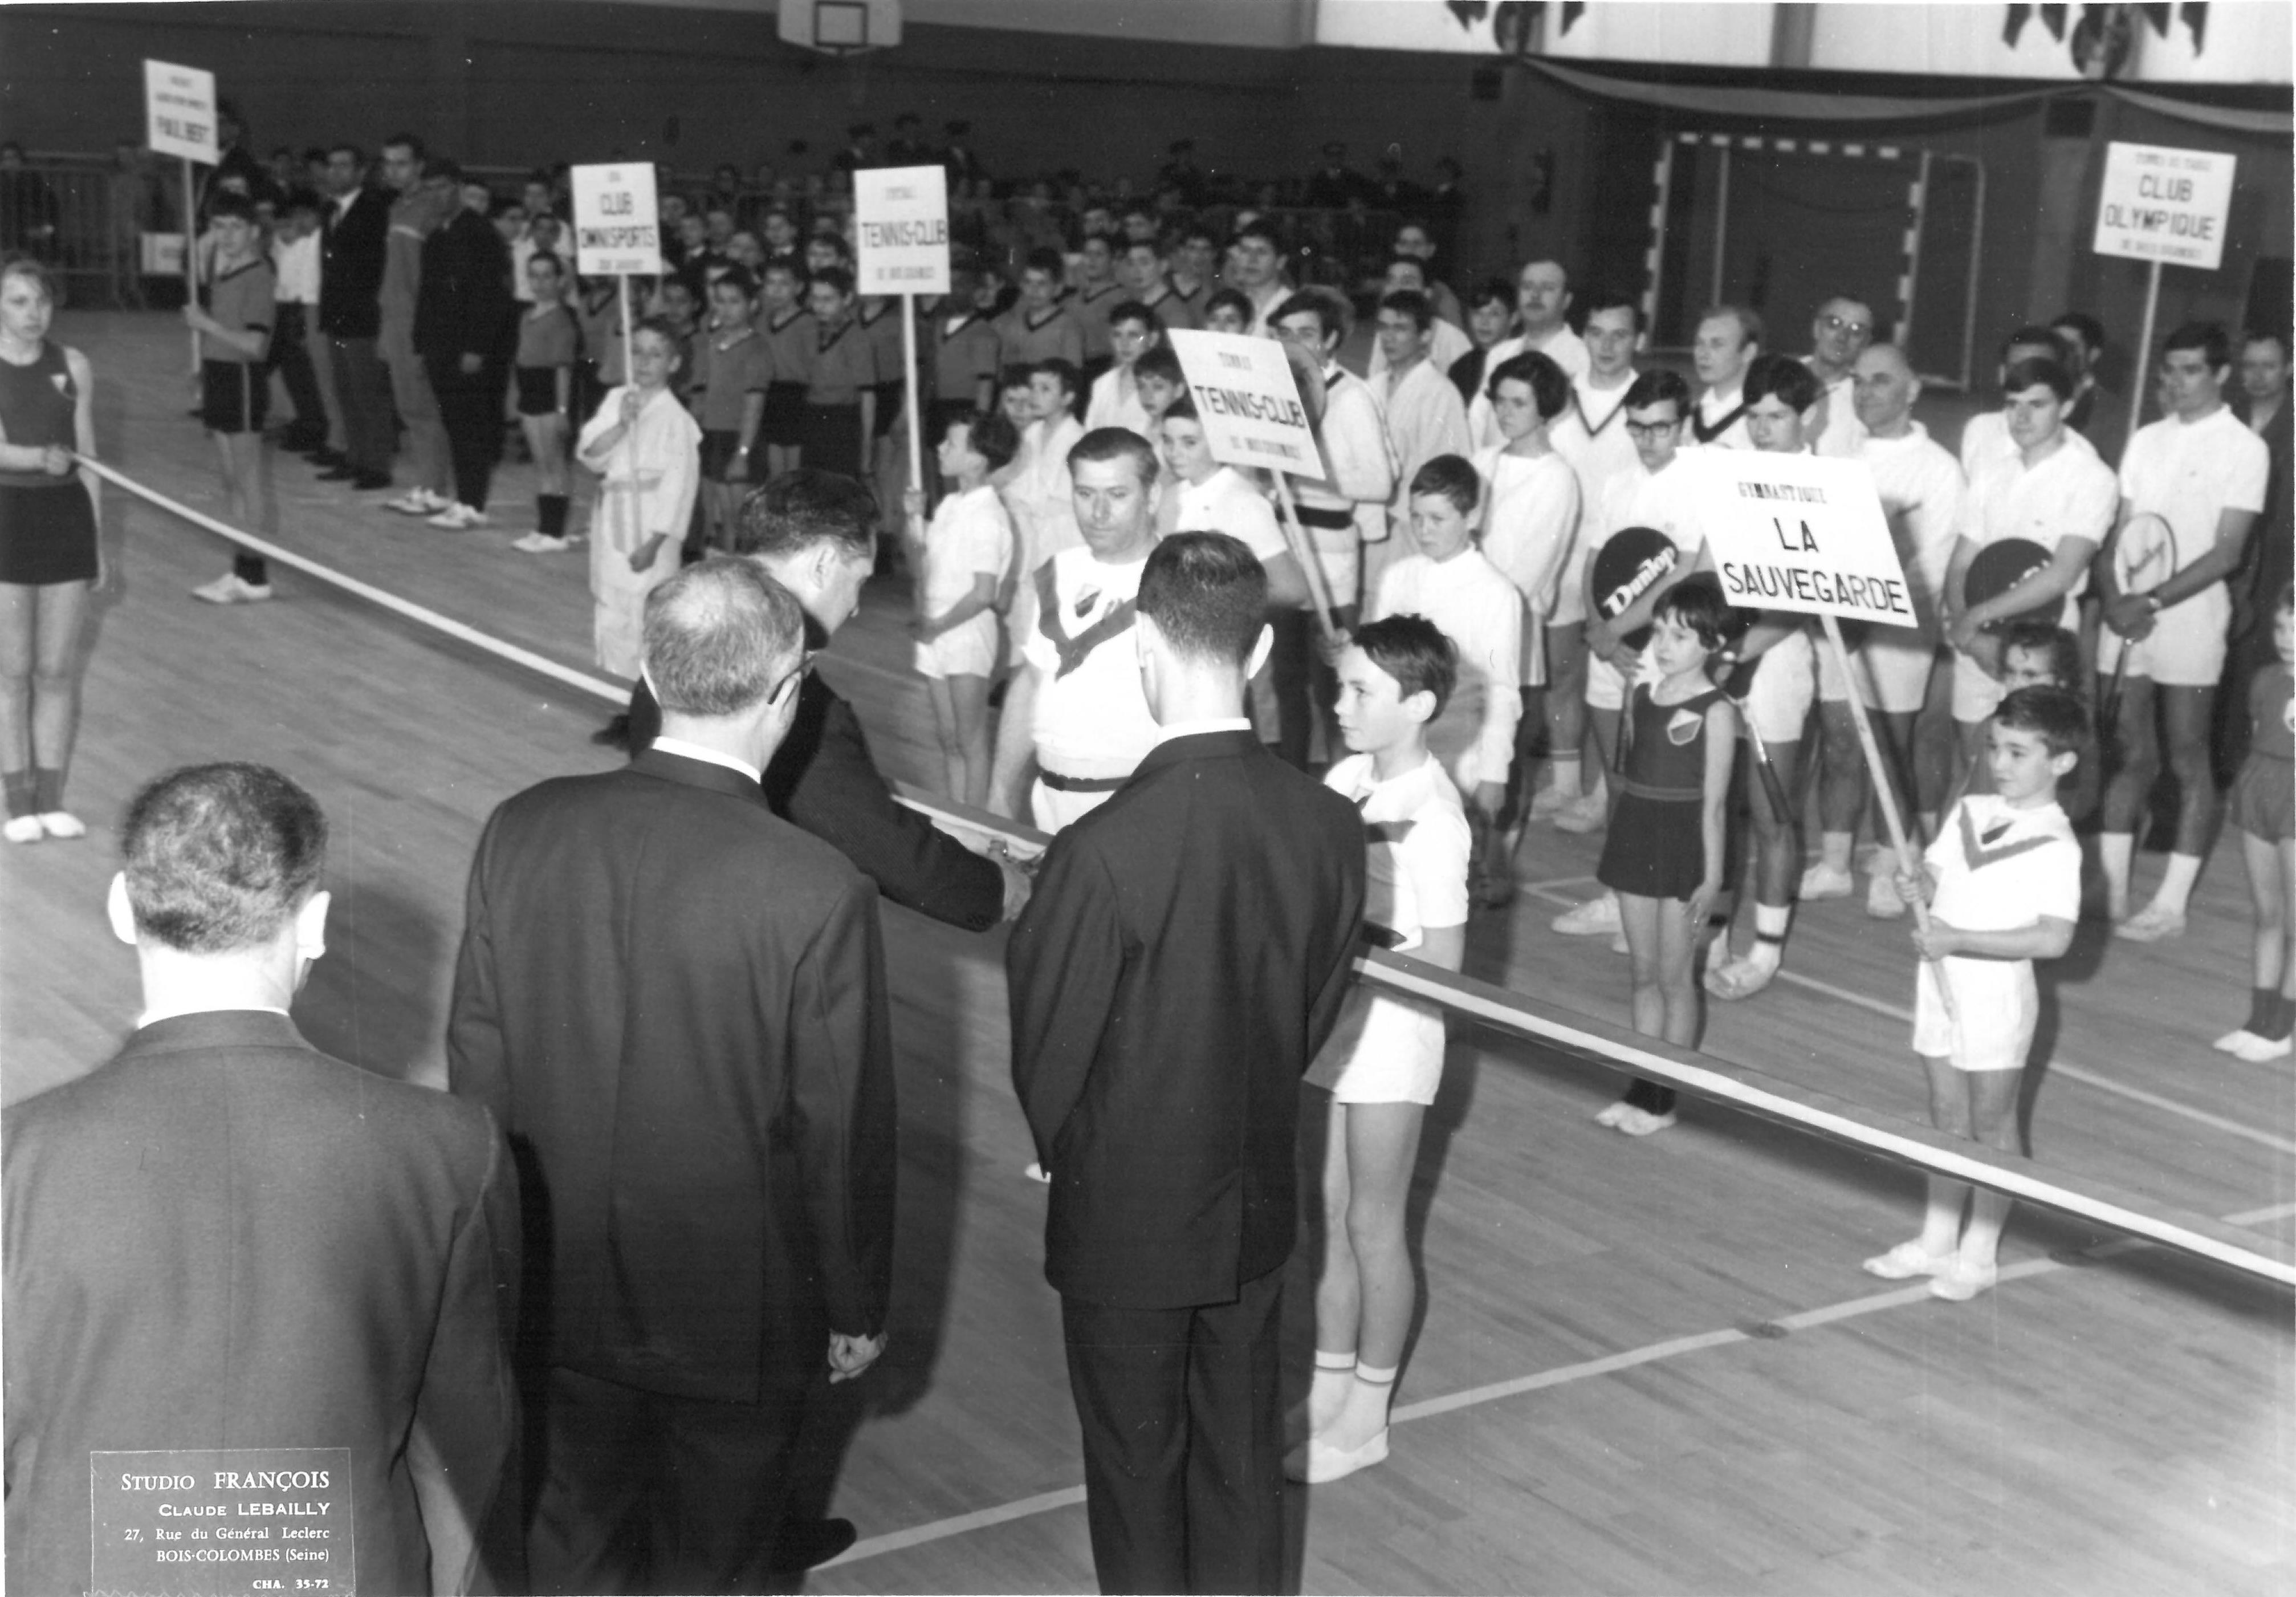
x=961, y=557
x=648, y=449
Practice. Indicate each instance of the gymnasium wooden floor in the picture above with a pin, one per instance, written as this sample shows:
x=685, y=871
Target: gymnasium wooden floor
x=1643, y=1367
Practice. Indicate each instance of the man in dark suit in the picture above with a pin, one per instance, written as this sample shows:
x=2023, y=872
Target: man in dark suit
x=1182, y=960
x=224, y=1240
x=462, y=309
x=814, y=533
x=352, y=233
x=676, y=1003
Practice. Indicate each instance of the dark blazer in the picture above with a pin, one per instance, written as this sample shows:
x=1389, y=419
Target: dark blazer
x=675, y=1003
x=1180, y=961
x=225, y=1238
x=822, y=781
x=464, y=302
x=2265, y=564
x=351, y=248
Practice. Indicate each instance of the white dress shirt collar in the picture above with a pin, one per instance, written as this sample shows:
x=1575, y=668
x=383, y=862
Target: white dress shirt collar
x=694, y=751
x=1190, y=729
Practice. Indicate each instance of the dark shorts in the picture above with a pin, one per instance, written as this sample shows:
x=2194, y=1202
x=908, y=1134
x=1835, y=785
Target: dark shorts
x=1653, y=848
x=889, y=407
x=830, y=438
x=785, y=413
x=233, y=398
x=2264, y=799
x=538, y=390
x=47, y=535
x=718, y=453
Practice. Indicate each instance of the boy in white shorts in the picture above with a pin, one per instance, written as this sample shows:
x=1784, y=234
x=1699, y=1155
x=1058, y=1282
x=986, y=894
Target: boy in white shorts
x=2003, y=886
x=1384, y=1060
x=962, y=559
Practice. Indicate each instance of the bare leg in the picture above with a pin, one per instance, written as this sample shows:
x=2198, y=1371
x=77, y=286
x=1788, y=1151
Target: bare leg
x=19, y=618
x=968, y=698
x=952, y=757
x=1381, y=1142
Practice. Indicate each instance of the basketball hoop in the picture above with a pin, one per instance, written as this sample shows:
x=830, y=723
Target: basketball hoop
x=840, y=27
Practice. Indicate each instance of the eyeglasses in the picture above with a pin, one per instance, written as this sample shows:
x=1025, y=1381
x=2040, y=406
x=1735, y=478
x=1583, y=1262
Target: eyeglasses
x=1835, y=324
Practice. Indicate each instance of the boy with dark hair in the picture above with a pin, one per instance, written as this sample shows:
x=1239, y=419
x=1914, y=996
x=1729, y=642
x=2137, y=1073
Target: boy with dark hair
x=1040, y=327
x=235, y=387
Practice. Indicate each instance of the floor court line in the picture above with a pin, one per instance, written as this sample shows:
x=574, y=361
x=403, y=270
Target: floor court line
x=2057, y=1067
x=939, y=1530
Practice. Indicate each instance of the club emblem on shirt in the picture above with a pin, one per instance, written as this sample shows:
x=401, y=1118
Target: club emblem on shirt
x=1981, y=852
x=1073, y=651
x=1682, y=731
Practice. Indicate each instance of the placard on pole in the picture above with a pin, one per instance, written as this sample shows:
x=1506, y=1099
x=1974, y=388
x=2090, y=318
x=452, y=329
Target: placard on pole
x=901, y=219
x=1807, y=534
x=1254, y=417
x=179, y=120
x=616, y=230
x=2167, y=206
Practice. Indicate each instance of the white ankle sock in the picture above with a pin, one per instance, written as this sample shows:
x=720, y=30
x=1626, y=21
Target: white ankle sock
x=2175, y=889
x=1988, y=1212
x=2114, y=850
x=1833, y=850
x=1363, y=1414
x=1327, y=1392
x=1769, y=947
x=1566, y=776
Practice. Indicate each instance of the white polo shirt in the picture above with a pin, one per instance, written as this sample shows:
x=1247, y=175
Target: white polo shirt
x=1531, y=533
x=2189, y=473
x=2070, y=494
x=1092, y=716
x=1922, y=491
x=1226, y=502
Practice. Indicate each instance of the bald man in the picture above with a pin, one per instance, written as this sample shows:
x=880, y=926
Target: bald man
x=1542, y=305
x=1728, y=341
x=1921, y=487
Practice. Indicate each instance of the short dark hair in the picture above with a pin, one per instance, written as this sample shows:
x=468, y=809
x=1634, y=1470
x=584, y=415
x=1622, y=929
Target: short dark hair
x=1183, y=409
x=2206, y=337
x=1159, y=362
x=545, y=257
x=719, y=636
x=737, y=277
x=804, y=506
x=1046, y=261
x=1453, y=476
x=217, y=857
x=2038, y=635
x=1232, y=298
x=238, y=207
x=2044, y=337
x=2264, y=336
x=1330, y=311
x=1206, y=593
x=1257, y=228
x=836, y=277
x=1410, y=302
x=412, y=142
x=1607, y=299
x=991, y=435
x=1492, y=291
x=1133, y=311
x=1549, y=383
x=1696, y=602
x=2091, y=330
x=1070, y=375
x=1015, y=375
x=1400, y=260
x=1116, y=443
x=2056, y=713
x=1655, y=387
x=2037, y=370
x=1414, y=650
x=1783, y=377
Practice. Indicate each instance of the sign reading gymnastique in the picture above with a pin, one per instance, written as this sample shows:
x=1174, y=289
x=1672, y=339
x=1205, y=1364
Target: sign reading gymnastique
x=208, y=1522
x=617, y=229
x=901, y=225
x=1800, y=532
x=179, y=111
x=2164, y=204
x=1249, y=404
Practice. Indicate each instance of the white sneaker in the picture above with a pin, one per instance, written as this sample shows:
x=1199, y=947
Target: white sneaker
x=1641, y=1123
x=1614, y=1114
x=2231, y=1042
x=458, y=517
x=1589, y=812
x=1961, y=1281
x=231, y=588
x=61, y=823
x=2150, y=924
x=416, y=501
x=1882, y=900
x=1550, y=798
x=1908, y=1260
x=1822, y=880
x=1596, y=918
x=534, y=543
x=23, y=829
x=2261, y=1051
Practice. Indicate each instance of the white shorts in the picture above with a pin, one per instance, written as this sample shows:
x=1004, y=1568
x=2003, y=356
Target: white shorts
x=969, y=650
x=1996, y=1007
x=2186, y=648
x=618, y=632
x=1784, y=683
x=1975, y=695
x=1385, y=1051
x=1052, y=807
x=1571, y=603
x=1892, y=669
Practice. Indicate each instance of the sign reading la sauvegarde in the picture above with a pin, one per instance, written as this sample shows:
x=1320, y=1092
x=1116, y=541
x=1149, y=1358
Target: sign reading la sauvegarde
x=1249, y=404
x=900, y=218
x=616, y=229
x=200, y=1522
x=1800, y=533
x=179, y=111
x=2165, y=204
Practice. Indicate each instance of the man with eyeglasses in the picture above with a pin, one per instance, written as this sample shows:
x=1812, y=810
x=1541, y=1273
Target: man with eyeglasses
x=1542, y=305
x=1838, y=334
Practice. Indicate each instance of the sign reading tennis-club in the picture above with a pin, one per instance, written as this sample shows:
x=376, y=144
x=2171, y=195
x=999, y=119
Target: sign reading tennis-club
x=1802, y=533
x=1248, y=401
x=900, y=220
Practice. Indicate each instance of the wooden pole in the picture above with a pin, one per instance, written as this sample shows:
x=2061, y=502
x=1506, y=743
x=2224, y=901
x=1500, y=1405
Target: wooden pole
x=191, y=255
x=622, y=291
x=1906, y=860
x=909, y=392
x=1311, y=563
x=2145, y=350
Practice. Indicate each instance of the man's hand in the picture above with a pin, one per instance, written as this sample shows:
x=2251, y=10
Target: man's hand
x=1937, y=940
x=2132, y=616
x=850, y=1357
x=1018, y=884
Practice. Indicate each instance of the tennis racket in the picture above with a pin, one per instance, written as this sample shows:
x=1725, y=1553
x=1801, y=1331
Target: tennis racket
x=2000, y=567
x=2143, y=556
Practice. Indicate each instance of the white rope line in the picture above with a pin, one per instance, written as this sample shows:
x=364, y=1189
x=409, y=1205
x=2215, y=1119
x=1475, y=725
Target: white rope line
x=1475, y=999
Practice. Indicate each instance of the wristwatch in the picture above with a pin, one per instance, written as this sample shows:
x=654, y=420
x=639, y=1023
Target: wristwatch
x=2152, y=600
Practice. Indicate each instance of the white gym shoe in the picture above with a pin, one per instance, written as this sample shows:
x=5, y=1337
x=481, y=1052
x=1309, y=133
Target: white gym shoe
x=1822, y=880
x=458, y=517
x=23, y=829
x=1549, y=799
x=231, y=588
x=1615, y=1113
x=1908, y=1260
x=417, y=501
x=1641, y=1123
x=1961, y=1281
x=61, y=823
x=1883, y=901
x=1589, y=812
x=536, y=543
x=2151, y=925
x=2231, y=1042
x=2263, y=1050
x=1596, y=918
